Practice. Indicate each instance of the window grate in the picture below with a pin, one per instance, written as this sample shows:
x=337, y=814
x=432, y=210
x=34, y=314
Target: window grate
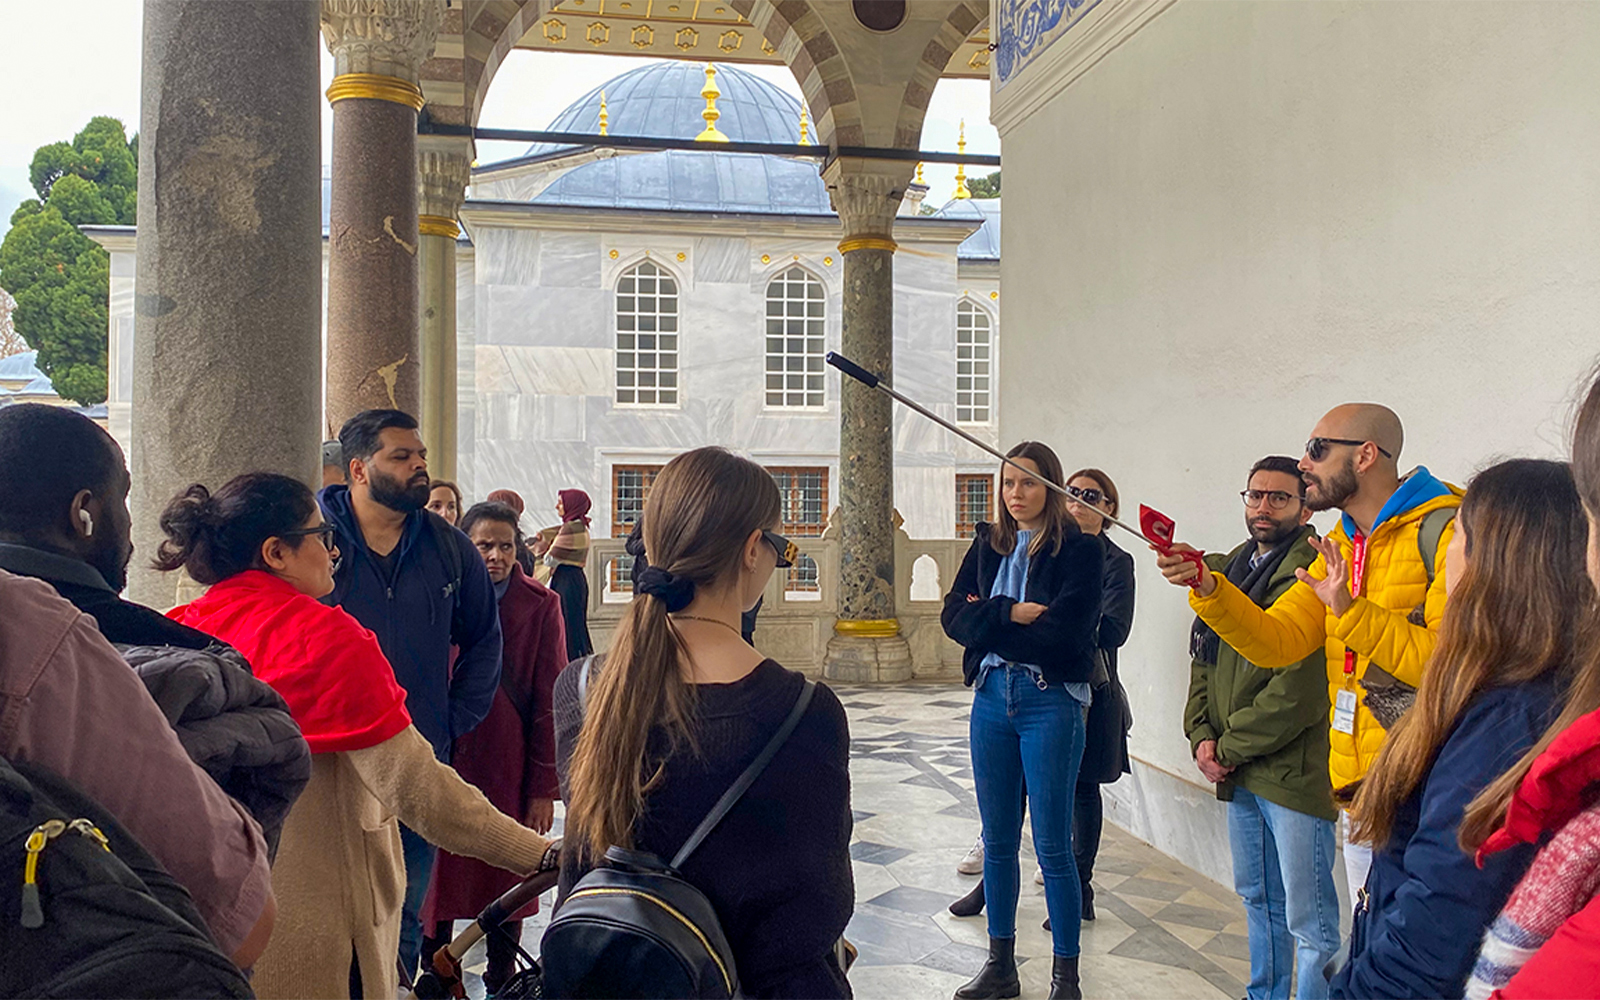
x=804, y=495
x=974, y=503
x=630, y=488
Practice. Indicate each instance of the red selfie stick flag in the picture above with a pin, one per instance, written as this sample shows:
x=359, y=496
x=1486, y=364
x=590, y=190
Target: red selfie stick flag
x=1158, y=528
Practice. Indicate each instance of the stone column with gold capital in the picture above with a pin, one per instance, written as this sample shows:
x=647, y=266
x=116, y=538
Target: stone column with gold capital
x=374, y=355
x=444, y=166
x=867, y=645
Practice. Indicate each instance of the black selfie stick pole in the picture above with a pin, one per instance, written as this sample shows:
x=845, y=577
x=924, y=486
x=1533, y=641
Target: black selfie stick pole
x=872, y=381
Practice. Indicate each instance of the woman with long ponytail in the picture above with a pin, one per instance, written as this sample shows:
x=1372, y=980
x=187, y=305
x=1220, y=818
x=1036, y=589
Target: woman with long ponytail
x=678, y=707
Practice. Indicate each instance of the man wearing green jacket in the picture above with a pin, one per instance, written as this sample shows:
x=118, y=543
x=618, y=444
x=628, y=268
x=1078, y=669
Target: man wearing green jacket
x=1262, y=737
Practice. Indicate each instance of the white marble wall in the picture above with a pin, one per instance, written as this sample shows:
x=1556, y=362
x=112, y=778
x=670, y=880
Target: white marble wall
x=540, y=327
x=119, y=352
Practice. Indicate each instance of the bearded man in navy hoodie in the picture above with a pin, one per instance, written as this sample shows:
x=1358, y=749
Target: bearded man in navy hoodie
x=419, y=584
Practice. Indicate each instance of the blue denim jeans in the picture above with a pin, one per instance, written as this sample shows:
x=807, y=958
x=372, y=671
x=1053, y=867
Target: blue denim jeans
x=419, y=856
x=1283, y=870
x=1018, y=732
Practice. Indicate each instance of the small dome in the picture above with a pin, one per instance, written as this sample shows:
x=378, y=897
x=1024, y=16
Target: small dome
x=20, y=366
x=41, y=386
x=663, y=100
x=985, y=243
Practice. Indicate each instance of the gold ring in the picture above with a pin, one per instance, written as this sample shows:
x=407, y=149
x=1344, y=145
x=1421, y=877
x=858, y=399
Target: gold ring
x=878, y=628
x=437, y=225
x=377, y=87
x=868, y=243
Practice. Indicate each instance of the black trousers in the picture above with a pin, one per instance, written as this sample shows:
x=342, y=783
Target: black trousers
x=1088, y=814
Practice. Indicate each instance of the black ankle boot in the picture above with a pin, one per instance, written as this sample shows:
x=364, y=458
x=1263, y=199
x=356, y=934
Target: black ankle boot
x=1088, y=901
x=971, y=904
x=998, y=977
x=1064, y=979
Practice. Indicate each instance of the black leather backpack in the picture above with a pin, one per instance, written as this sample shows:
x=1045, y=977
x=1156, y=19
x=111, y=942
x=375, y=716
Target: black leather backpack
x=633, y=927
x=85, y=911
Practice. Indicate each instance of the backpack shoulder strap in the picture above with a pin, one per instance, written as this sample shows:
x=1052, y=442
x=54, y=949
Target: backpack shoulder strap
x=744, y=781
x=586, y=665
x=1429, y=534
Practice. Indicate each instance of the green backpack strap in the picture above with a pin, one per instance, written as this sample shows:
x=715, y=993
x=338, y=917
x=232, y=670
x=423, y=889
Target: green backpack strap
x=1430, y=533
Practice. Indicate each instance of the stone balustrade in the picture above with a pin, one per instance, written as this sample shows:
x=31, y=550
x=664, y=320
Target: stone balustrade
x=795, y=625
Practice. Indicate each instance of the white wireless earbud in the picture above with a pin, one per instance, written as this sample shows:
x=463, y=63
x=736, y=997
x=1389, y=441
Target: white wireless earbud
x=87, y=522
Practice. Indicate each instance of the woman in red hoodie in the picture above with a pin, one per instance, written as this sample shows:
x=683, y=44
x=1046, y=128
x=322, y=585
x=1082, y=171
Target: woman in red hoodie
x=1546, y=942
x=339, y=877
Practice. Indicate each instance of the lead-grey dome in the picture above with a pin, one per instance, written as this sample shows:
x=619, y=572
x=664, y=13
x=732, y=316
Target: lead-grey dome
x=708, y=180
x=663, y=100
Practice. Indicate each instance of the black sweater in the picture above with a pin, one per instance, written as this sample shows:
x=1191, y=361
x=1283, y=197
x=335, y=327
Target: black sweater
x=1060, y=642
x=777, y=868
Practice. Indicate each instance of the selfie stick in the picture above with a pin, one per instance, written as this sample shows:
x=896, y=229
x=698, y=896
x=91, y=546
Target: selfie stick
x=872, y=381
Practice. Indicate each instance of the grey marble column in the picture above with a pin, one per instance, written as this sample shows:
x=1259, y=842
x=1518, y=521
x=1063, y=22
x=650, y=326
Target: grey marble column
x=374, y=350
x=227, y=345
x=444, y=166
x=867, y=645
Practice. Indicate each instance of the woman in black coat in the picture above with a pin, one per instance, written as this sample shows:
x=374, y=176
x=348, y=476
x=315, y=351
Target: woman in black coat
x=1105, y=748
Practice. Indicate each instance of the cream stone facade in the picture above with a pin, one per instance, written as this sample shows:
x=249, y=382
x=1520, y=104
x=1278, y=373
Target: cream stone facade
x=1270, y=209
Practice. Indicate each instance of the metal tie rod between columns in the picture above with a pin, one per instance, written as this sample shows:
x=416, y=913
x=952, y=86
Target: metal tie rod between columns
x=660, y=142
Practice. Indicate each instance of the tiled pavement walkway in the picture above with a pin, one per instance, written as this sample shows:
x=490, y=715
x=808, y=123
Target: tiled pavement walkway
x=1163, y=930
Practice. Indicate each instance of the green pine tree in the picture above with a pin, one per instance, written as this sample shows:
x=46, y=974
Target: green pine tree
x=59, y=277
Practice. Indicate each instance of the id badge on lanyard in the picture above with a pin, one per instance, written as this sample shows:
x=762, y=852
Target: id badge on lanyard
x=1344, y=702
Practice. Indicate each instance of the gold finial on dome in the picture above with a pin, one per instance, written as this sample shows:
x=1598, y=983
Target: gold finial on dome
x=961, y=168
x=919, y=174
x=711, y=114
x=805, y=136
x=603, y=116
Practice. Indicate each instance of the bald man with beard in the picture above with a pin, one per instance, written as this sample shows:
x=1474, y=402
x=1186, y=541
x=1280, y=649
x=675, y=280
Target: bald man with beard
x=1373, y=598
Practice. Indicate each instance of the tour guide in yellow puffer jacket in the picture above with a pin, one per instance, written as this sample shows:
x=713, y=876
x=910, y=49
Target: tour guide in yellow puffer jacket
x=1366, y=611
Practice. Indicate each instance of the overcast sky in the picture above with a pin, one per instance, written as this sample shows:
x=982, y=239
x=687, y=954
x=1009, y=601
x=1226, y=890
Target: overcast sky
x=56, y=80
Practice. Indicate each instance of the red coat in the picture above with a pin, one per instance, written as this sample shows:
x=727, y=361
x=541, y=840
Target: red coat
x=511, y=755
x=1559, y=786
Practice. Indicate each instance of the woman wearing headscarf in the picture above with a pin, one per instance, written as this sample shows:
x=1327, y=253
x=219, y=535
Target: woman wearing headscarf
x=513, y=499
x=565, y=550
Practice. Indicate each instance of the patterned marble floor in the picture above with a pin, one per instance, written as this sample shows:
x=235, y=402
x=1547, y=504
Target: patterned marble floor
x=1163, y=930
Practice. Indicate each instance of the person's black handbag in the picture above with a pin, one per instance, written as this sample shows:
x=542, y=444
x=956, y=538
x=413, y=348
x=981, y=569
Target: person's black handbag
x=634, y=927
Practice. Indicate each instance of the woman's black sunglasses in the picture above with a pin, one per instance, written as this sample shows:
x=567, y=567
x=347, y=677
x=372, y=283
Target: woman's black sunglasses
x=1317, y=448
x=325, y=532
x=787, y=551
x=1092, y=497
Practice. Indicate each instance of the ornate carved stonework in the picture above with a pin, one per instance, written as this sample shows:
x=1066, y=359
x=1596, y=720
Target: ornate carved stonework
x=444, y=168
x=866, y=194
x=386, y=37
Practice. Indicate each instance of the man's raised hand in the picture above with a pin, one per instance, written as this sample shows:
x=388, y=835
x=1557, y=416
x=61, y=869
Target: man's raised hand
x=1181, y=572
x=1334, y=588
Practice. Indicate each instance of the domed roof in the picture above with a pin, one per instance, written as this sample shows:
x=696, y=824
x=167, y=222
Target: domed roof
x=694, y=180
x=662, y=99
x=984, y=244
x=20, y=366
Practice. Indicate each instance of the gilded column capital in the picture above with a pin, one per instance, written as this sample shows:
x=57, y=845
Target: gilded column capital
x=387, y=38
x=867, y=194
x=444, y=168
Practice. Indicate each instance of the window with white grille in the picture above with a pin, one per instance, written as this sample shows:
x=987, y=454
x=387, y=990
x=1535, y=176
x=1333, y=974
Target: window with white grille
x=796, y=320
x=974, y=363
x=974, y=503
x=647, y=336
x=630, y=488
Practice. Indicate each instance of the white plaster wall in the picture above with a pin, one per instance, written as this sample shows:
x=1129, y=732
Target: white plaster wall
x=1249, y=212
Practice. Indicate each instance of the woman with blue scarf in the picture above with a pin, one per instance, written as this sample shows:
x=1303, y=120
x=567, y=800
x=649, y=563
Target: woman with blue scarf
x=1025, y=605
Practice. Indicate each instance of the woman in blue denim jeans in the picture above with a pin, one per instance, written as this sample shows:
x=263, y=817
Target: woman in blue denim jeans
x=1025, y=604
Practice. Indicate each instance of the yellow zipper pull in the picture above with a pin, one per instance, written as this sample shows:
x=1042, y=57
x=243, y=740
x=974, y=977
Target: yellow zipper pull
x=32, y=910
x=84, y=828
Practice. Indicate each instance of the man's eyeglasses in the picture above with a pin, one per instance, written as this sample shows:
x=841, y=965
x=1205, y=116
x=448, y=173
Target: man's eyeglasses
x=1089, y=497
x=1317, y=448
x=325, y=532
x=787, y=551
x=1275, y=499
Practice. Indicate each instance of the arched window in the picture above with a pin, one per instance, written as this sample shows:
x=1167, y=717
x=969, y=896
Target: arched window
x=974, y=363
x=796, y=309
x=647, y=336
